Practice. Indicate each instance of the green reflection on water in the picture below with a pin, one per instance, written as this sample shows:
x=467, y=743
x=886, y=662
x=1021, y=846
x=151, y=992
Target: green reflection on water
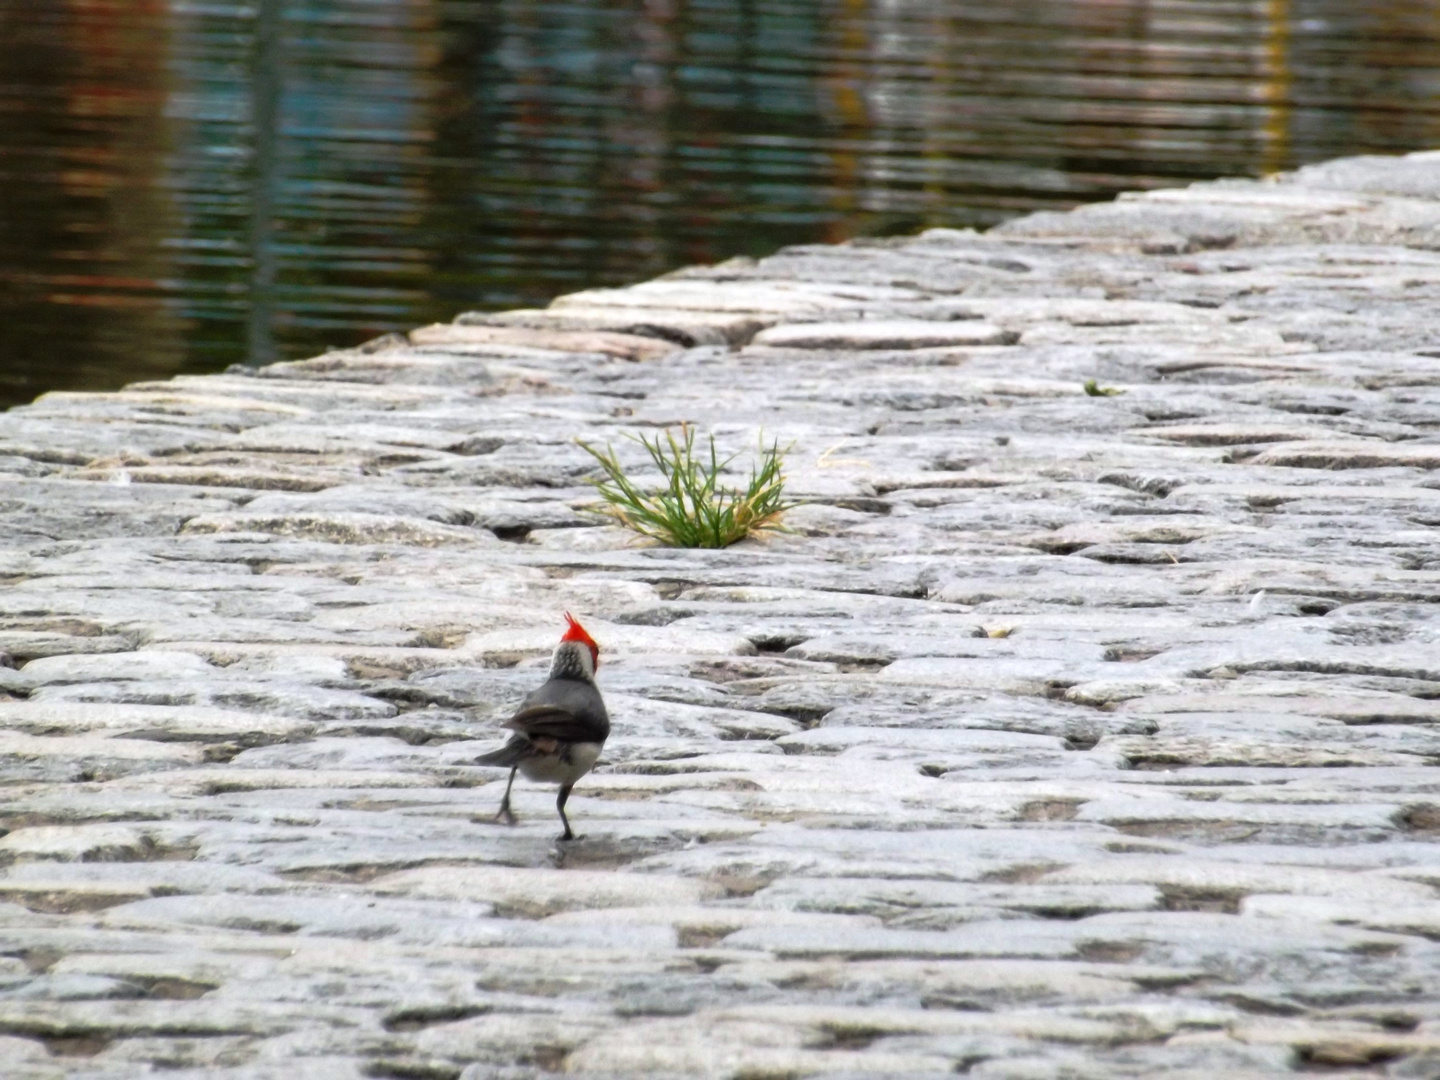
x=177, y=196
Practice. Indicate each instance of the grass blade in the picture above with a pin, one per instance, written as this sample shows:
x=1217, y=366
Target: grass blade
x=691, y=508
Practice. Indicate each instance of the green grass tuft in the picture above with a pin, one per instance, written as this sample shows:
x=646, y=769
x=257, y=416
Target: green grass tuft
x=692, y=509
x=1094, y=389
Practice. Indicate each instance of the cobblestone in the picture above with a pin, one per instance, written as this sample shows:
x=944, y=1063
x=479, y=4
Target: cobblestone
x=1063, y=735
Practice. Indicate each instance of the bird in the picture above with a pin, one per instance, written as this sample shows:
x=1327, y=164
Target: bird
x=560, y=727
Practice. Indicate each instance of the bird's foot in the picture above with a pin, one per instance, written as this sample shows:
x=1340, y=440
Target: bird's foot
x=566, y=836
x=505, y=817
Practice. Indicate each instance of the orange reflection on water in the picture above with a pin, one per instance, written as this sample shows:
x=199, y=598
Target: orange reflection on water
x=428, y=156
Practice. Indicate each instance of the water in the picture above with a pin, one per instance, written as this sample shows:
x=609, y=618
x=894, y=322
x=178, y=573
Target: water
x=185, y=184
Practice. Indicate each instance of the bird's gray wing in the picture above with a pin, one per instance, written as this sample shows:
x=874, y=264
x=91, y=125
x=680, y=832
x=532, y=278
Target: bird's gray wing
x=543, y=721
x=568, y=710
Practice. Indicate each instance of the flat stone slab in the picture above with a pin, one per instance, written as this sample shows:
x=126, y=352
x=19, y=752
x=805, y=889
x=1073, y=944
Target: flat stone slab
x=1064, y=732
x=885, y=334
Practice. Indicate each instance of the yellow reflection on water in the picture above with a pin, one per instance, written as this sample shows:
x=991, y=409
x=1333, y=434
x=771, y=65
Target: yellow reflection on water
x=416, y=158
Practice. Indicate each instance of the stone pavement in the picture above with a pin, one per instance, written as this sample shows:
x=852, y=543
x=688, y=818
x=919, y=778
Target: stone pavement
x=1065, y=736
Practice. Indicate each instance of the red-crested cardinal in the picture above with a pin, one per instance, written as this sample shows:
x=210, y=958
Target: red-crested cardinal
x=560, y=727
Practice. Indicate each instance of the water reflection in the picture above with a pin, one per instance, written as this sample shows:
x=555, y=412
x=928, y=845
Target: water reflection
x=185, y=184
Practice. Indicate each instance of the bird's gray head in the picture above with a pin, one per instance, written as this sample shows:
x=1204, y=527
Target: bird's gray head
x=577, y=656
x=572, y=661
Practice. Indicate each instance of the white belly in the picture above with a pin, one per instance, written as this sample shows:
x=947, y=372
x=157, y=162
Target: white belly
x=555, y=769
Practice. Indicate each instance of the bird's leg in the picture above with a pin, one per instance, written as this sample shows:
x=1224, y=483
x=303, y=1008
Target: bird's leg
x=560, y=805
x=505, y=814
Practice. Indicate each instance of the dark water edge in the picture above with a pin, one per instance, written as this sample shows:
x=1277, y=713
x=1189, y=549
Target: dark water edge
x=188, y=184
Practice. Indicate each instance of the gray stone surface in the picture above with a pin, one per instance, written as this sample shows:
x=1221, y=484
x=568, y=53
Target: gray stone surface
x=1061, y=735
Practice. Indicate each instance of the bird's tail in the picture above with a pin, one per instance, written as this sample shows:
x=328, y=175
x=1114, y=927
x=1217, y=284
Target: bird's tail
x=509, y=755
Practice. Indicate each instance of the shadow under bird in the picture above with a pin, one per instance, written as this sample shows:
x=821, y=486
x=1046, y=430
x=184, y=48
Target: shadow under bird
x=560, y=727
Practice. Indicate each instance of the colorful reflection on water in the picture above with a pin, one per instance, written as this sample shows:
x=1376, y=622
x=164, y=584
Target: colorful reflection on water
x=186, y=184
